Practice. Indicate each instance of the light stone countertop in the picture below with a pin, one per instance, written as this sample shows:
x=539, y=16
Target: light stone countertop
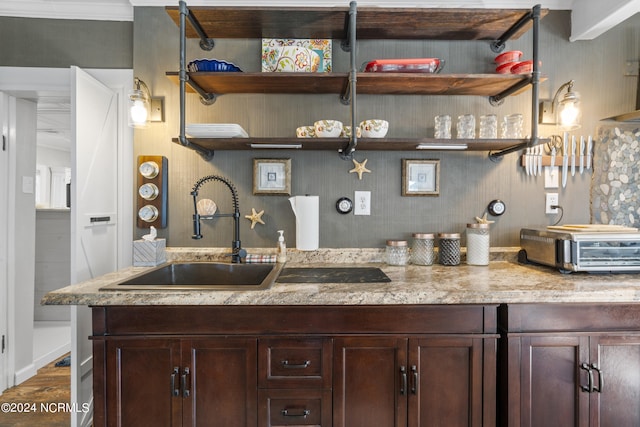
x=503, y=281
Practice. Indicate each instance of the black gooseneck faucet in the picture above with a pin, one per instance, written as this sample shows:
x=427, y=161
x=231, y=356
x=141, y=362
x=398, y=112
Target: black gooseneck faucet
x=237, y=253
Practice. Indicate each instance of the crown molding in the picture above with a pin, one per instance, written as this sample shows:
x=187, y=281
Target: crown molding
x=94, y=10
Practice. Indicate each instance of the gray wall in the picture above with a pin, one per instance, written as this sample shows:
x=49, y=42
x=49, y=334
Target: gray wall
x=60, y=43
x=469, y=181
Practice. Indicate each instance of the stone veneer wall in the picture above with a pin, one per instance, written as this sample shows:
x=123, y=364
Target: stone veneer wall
x=615, y=185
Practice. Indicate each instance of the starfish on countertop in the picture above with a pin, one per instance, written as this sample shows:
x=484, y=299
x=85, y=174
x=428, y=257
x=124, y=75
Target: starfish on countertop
x=484, y=219
x=359, y=168
x=255, y=217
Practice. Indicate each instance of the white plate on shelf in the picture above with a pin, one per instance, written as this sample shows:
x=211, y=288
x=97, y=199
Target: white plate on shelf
x=215, y=130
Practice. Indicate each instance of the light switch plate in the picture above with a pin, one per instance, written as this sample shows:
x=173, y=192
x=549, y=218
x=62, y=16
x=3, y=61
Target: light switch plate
x=551, y=177
x=27, y=184
x=362, y=203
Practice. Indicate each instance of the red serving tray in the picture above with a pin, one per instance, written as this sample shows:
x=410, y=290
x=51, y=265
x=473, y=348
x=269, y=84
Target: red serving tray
x=413, y=65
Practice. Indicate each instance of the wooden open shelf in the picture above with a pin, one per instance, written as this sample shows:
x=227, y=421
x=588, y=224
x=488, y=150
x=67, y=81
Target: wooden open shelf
x=373, y=22
x=364, y=144
x=368, y=83
x=495, y=25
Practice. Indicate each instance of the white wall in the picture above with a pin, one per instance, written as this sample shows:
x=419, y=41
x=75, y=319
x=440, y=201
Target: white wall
x=22, y=238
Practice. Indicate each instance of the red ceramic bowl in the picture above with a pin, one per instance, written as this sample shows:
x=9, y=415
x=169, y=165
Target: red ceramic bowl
x=505, y=68
x=509, y=56
x=524, y=67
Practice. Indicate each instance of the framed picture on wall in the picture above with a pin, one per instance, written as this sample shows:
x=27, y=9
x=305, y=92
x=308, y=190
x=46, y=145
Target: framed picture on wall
x=272, y=176
x=420, y=177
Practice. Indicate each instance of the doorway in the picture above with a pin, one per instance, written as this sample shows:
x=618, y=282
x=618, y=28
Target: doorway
x=52, y=324
x=26, y=83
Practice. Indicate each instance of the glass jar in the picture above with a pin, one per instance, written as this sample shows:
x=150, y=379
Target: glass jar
x=397, y=252
x=449, y=248
x=422, y=249
x=478, y=244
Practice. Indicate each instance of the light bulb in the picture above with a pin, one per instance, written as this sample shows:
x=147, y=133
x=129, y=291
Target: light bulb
x=138, y=112
x=569, y=114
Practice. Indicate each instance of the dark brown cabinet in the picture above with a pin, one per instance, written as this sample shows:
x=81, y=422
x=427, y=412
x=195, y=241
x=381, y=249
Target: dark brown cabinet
x=570, y=365
x=268, y=366
x=175, y=382
x=418, y=381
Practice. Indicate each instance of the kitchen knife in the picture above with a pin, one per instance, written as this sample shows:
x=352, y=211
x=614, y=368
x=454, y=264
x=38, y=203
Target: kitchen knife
x=589, y=148
x=553, y=162
x=527, y=161
x=540, y=150
x=533, y=161
x=581, y=154
x=565, y=159
x=573, y=155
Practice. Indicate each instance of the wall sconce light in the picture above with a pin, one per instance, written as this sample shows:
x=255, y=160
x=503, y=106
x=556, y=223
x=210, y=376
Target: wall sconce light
x=566, y=112
x=144, y=108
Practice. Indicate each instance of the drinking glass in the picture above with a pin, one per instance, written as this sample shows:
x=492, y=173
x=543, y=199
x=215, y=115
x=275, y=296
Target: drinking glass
x=442, y=129
x=466, y=126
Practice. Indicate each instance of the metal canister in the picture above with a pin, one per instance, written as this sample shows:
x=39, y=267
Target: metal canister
x=422, y=249
x=478, y=239
x=449, y=248
x=397, y=252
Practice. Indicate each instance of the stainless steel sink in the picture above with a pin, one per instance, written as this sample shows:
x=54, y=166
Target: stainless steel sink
x=203, y=276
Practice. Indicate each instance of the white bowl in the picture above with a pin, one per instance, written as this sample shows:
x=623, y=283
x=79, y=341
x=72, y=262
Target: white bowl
x=374, y=128
x=328, y=128
x=290, y=59
x=306, y=132
x=346, y=132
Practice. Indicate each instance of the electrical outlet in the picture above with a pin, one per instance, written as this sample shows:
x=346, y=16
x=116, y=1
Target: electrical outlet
x=551, y=199
x=362, y=203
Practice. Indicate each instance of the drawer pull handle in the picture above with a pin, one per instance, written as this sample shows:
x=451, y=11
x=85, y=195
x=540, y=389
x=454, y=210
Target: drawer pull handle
x=403, y=380
x=303, y=414
x=589, y=387
x=414, y=384
x=303, y=365
x=600, y=378
x=185, y=389
x=174, y=391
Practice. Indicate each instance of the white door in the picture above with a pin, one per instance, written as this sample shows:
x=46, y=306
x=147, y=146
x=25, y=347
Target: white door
x=4, y=236
x=94, y=207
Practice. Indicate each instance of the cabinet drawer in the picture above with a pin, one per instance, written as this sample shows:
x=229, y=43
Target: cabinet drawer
x=294, y=363
x=294, y=408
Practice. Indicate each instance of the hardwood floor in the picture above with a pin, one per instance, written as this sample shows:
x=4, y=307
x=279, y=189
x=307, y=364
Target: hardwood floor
x=40, y=401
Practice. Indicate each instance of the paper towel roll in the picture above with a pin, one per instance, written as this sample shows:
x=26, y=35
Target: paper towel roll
x=307, y=212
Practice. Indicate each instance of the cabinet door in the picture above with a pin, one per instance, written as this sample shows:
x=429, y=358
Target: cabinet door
x=618, y=402
x=551, y=380
x=141, y=382
x=370, y=382
x=446, y=382
x=222, y=382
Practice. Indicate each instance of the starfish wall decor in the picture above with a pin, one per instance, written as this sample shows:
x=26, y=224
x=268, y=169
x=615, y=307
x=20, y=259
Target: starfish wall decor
x=359, y=168
x=255, y=217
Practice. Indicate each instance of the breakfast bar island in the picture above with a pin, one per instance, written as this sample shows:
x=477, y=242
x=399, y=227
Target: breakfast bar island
x=506, y=344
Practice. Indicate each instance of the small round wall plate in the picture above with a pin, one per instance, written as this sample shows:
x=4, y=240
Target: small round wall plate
x=496, y=207
x=344, y=205
x=148, y=191
x=149, y=169
x=148, y=213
